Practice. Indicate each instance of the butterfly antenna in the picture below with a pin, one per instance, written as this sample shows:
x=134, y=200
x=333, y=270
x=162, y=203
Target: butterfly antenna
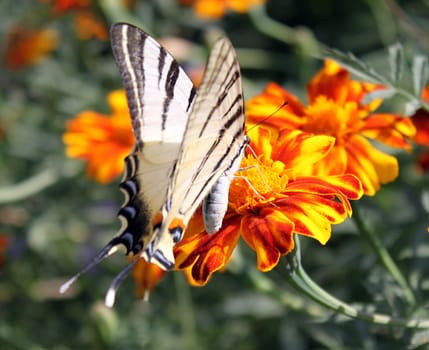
x=105, y=252
x=109, y=301
x=285, y=103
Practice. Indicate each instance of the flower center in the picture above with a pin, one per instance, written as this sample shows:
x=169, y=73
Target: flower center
x=326, y=117
x=256, y=184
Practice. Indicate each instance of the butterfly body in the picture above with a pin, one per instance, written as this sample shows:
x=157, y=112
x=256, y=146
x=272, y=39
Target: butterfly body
x=209, y=145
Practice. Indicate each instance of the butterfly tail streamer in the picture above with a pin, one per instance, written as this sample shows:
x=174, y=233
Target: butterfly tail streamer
x=108, y=250
x=109, y=300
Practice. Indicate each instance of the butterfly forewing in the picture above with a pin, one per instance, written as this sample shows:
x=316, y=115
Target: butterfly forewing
x=160, y=97
x=159, y=92
x=214, y=139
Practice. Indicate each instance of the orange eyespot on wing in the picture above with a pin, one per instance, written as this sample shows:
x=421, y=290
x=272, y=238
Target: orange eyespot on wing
x=157, y=220
x=176, y=229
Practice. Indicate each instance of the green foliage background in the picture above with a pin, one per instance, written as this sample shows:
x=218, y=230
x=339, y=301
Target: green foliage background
x=58, y=219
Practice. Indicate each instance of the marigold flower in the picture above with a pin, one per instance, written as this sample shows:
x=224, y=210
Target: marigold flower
x=29, y=46
x=336, y=108
x=268, y=202
x=103, y=141
x=214, y=9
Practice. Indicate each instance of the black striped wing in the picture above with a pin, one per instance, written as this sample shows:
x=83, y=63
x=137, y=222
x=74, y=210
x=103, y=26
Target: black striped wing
x=160, y=97
x=214, y=140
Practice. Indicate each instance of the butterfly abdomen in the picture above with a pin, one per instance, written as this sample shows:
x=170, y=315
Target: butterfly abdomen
x=216, y=204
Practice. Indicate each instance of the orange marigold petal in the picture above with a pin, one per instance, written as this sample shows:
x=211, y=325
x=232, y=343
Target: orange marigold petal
x=313, y=215
x=260, y=142
x=146, y=276
x=117, y=101
x=243, y=6
x=268, y=109
x=390, y=129
x=425, y=93
x=348, y=185
x=100, y=140
x=371, y=166
x=269, y=235
x=106, y=171
x=210, y=9
x=298, y=149
x=335, y=162
x=333, y=81
x=202, y=254
x=214, y=9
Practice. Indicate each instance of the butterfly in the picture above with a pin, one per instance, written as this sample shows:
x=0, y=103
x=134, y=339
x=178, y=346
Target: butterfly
x=189, y=143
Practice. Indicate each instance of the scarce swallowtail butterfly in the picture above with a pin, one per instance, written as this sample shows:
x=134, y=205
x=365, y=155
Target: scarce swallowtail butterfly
x=188, y=145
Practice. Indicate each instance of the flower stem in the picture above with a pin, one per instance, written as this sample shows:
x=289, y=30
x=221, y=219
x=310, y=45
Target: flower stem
x=303, y=282
x=29, y=187
x=302, y=38
x=186, y=310
x=116, y=11
x=383, y=255
x=263, y=284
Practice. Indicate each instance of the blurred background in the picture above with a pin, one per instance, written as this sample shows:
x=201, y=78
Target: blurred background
x=57, y=62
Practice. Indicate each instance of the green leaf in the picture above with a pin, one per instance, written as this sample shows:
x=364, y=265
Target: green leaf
x=383, y=94
x=411, y=106
x=396, y=62
x=420, y=73
x=420, y=340
x=356, y=66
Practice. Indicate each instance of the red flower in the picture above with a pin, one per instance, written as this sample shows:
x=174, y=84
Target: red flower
x=274, y=202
